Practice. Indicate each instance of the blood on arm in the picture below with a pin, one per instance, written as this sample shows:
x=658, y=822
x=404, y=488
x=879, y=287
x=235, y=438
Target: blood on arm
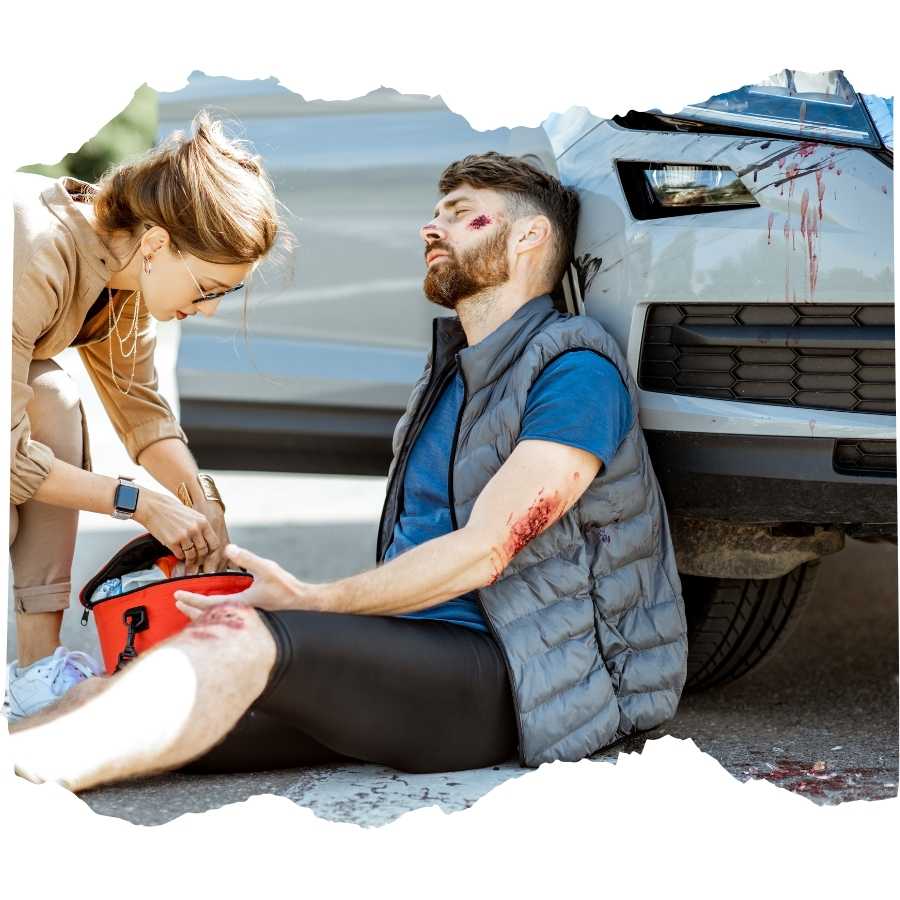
x=542, y=513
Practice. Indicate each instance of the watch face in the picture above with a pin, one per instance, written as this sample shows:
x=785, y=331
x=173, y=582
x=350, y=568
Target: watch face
x=126, y=498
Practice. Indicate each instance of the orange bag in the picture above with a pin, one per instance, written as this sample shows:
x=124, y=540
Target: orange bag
x=134, y=621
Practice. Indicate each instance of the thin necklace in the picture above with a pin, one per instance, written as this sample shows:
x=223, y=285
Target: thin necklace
x=132, y=334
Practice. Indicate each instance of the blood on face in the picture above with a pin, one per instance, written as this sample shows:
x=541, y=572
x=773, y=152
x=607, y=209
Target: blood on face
x=480, y=221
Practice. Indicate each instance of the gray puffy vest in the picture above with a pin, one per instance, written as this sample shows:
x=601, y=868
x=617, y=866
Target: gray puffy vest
x=589, y=614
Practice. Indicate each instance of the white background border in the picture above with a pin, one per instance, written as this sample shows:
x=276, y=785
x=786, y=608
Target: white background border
x=670, y=820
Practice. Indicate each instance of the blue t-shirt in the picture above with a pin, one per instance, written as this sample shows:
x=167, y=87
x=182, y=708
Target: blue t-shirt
x=578, y=400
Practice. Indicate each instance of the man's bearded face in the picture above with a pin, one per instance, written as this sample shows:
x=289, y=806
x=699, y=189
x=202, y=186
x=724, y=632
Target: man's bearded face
x=456, y=277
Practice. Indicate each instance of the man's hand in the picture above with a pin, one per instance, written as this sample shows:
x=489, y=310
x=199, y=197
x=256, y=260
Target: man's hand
x=533, y=489
x=272, y=588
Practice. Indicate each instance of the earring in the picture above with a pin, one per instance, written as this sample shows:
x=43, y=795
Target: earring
x=147, y=266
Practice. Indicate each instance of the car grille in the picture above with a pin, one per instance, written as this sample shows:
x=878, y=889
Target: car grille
x=866, y=458
x=819, y=356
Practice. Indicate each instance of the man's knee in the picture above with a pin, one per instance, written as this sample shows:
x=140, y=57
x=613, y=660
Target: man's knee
x=236, y=632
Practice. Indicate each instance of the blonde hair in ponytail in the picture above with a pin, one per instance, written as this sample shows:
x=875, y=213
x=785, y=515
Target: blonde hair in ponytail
x=209, y=192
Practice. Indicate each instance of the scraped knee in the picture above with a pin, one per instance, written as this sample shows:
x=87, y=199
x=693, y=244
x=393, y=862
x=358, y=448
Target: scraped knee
x=237, y=632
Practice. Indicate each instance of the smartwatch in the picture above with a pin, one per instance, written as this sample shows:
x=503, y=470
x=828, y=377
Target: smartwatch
x=126, y=498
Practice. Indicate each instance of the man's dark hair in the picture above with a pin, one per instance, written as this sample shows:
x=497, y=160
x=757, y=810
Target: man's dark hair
x=529, y=191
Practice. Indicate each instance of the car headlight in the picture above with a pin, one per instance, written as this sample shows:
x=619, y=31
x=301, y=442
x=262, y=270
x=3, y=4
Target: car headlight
x=655, y=190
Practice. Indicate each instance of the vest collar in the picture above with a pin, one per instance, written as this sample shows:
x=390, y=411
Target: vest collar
x=484, y=362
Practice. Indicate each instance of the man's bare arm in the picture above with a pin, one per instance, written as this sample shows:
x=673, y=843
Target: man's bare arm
x=535, y=487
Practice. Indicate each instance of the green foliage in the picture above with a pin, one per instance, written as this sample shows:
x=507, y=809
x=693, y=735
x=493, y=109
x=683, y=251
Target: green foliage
x=129, y=134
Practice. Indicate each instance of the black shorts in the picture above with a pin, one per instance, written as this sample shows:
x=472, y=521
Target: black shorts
x=417, y=695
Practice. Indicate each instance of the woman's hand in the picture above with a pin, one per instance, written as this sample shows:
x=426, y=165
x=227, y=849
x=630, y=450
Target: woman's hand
x=272, y=588
x=216, y=561
x=185, y=531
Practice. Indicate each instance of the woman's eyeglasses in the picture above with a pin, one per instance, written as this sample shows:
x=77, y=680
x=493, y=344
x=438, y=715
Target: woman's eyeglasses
x=204, y=297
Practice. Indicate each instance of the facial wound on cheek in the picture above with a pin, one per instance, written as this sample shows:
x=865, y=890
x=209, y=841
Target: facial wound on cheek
x=480, y=222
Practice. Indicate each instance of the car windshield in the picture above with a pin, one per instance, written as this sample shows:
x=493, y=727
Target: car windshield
x=811, y=105
x=881, y=109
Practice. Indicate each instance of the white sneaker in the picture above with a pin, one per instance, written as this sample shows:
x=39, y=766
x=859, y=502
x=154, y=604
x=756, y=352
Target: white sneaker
x=45, y=681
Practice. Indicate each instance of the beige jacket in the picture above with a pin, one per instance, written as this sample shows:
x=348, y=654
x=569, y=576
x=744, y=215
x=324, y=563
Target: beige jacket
x=60, y=266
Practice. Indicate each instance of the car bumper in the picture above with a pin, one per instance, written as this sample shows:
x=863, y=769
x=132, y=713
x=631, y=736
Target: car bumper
x=775, y=479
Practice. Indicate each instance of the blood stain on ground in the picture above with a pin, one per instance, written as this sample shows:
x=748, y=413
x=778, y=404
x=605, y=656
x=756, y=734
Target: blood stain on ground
x=818, y=779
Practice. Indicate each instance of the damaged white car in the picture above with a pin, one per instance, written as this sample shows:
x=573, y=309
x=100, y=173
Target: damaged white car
x=741, y=251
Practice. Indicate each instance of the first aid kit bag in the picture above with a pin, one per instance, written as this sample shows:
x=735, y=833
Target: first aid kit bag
x=132, y=598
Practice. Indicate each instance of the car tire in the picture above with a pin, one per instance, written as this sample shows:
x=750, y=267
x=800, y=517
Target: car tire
x=734, y=623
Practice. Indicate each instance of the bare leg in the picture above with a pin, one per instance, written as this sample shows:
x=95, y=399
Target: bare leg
x=76, y=696
x=167, y=707
x=37, y=635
